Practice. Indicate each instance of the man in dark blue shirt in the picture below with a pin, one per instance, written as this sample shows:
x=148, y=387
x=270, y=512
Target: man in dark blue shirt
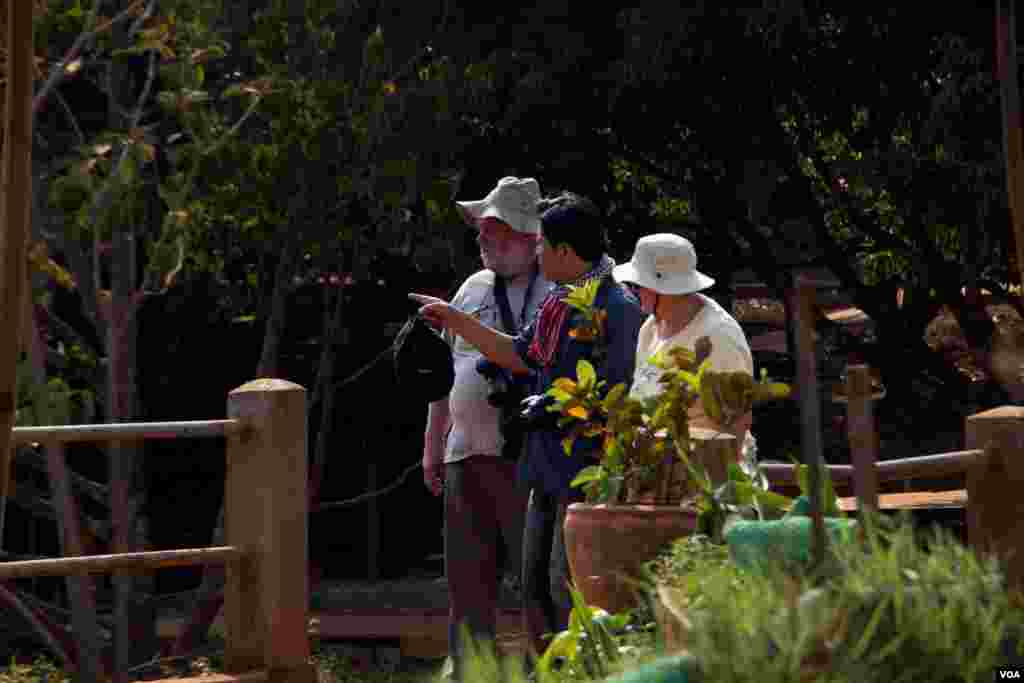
x=572, y=252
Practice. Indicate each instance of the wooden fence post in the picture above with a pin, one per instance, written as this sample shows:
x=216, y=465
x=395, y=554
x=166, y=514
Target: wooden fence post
x=266, y=598
x=863, y=436
x=995, y=508
x=810, y=410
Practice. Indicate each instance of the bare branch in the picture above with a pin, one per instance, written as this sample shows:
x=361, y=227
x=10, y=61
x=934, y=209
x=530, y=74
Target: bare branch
x=56, y=642
x=60, y=70
x=71, y=116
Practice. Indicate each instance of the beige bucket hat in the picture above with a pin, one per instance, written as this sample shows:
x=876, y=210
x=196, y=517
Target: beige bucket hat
x=513, y=200
x=666, y=264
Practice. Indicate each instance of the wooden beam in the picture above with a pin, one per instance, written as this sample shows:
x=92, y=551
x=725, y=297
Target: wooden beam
x=127, y=431
x=266, y=511
x=810, y=408
x=124, y=562
x=1013, y=146
x=862, y=434
x=15, y=215
x=995, y=515
x=956, y=464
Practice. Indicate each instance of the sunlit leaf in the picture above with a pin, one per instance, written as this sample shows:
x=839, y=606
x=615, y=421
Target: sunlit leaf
x=586, y=374
x=588, y=474
x=565, y=384
x=579, y=411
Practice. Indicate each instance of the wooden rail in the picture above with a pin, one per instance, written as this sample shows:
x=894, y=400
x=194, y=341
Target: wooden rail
x=127, y=431
x=266, y=598
x=920, y=467
x=121, y=562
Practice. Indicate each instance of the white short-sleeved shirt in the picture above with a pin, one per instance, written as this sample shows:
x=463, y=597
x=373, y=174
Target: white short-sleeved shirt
x=729, y=349
x=729, y=352
x=475, y=422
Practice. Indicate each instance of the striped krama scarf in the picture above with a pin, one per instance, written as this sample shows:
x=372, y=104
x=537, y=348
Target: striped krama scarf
x=554, y=310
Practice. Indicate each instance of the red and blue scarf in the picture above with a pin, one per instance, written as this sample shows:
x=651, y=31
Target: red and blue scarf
x=554, y=311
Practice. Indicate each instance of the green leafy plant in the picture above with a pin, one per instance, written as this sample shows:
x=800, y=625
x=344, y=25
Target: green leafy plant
x=588, y=646
x=640, y=436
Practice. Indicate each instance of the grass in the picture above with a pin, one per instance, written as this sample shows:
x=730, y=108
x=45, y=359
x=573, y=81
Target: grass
x=901, y=606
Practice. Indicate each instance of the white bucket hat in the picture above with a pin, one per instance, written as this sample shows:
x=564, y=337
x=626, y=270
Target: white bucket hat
x=513, y=200
x=666, y=264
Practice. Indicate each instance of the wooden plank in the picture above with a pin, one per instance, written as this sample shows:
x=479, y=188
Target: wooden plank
x=128, y=431
x=956, y=463
x=921, y=500
x=248, y=677
x=863, y=437
x=936, y=465
x=125, y=562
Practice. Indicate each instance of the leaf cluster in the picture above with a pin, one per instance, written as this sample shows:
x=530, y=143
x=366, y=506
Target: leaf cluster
x=899, y=606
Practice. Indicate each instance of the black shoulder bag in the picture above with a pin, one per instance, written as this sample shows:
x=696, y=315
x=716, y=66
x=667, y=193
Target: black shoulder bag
x=512, y=427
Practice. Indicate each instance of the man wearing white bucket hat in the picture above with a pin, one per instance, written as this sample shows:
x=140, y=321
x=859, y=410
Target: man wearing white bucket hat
x=663, y=274
x=484, y=511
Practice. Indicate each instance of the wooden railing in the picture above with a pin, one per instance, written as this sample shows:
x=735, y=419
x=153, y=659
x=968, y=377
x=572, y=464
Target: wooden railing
x=265, y=506
x=991, y=470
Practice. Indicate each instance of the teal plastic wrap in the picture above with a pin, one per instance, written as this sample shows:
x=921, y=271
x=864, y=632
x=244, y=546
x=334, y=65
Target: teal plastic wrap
x=675, y=669
x=752, y=543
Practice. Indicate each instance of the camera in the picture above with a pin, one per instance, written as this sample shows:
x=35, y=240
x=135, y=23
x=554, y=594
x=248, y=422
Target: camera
x=501, y=391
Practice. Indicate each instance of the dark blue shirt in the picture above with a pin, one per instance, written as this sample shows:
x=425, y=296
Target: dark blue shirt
x=546, y=466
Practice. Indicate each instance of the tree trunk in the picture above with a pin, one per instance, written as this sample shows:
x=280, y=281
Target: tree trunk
x=326, y=391
x=81, y=589
x=135, y=636
x=270, y=356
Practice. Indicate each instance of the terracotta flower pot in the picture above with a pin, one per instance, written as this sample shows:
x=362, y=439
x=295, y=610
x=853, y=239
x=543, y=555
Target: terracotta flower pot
x=605, y=542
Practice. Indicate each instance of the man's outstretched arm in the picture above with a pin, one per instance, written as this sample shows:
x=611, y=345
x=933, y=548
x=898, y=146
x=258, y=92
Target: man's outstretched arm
x=497, y=347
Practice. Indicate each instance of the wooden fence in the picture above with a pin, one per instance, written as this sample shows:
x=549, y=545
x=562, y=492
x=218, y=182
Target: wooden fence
x=990, y=471
x=266, y=598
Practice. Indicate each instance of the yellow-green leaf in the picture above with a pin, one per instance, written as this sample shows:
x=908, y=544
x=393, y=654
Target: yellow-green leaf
x=586, y=374
x=614, y=396
x=567, y=443
x=559, y=394
x=565, y=384
x=771, y=391
x=588, y=474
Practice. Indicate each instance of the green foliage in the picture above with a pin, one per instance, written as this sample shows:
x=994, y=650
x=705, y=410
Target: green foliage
x=39, y=670
x=587, y=645
x=52, y=403
x=901, y=606
x=637, y=435
x=687, y=564
x=596, y=644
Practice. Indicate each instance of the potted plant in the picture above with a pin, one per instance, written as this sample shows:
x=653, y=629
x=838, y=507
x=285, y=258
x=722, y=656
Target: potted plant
x=654, y=481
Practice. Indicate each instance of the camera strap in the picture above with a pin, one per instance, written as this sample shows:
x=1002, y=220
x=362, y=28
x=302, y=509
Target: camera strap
x=501, y=299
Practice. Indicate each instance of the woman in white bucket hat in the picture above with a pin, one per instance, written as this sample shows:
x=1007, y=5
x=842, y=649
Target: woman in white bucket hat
x=663, y=274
